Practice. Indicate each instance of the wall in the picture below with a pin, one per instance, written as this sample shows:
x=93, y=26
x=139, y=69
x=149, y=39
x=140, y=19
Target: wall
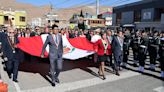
x=17, y=19
x=1, y=17
x=127, y=17
x=114, y=19
x=162, y=19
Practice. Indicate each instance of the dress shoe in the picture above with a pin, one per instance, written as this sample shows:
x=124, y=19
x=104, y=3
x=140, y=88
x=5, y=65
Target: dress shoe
x=9, y=76
x=53, y=84
x=57, y=80
x=104, y=78
x=117, y=74
x=15, y=81
x=135, y=65
x=120, y=69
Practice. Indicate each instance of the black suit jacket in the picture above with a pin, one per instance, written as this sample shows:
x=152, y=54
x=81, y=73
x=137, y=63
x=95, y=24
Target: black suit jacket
x=55, y=52
x=116, y=47
x=7, y=49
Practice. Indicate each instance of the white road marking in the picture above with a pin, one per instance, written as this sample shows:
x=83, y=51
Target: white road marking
x=83, y=83
x=159, y=89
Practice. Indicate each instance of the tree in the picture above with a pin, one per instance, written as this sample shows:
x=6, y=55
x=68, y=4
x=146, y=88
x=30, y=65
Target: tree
x=81, y=14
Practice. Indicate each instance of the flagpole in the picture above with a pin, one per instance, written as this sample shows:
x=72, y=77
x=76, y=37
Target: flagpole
x=97, y=7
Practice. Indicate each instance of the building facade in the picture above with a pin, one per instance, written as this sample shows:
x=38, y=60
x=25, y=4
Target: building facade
x=146, y=14
x=15, y=18
x=107, y=16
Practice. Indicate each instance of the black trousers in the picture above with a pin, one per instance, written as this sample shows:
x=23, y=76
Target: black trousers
x=125, y=56
x=162, y=63
x=118, y=59
x=55, y=68
x=153, y=55
x=142, y=57
x=12, y=66
x=135, y=54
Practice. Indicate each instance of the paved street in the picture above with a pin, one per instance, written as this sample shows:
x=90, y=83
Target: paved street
x=81, y=76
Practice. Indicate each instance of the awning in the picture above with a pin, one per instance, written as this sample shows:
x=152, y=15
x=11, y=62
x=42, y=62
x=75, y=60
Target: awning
x=128, y=25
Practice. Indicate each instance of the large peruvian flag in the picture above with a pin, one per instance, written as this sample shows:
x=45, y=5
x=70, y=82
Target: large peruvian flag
x=73, y=48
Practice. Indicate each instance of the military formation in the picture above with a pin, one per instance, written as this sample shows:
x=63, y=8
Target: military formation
x=145, y=45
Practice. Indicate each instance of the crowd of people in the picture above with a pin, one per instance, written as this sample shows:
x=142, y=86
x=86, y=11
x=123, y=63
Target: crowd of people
x=108, y=45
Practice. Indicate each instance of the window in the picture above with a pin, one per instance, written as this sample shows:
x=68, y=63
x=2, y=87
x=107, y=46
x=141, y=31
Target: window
x=6, y=18
x=22, y=19
x=137, y=16
x=158, y=13
x=118, y=18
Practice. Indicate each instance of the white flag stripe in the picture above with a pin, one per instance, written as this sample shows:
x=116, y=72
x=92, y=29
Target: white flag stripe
x=44, y=37
x=74, y=53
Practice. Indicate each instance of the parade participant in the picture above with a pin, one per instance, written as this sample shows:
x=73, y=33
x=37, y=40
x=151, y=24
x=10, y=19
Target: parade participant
x=103, y=50
x=11, y=53
x=90, y=34
x=19, y=33
x=143, y=46
x=127, y=40
x=46, y=31
x=135, y=47
x=82, y=34
x=36, y=32
x=161, y=55
x=110, y=38
x=27, y=33
x=153, y=50
x=117, y=49
x=94, y=39
x=55, y=55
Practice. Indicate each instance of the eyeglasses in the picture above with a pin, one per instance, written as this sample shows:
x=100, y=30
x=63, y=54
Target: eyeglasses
x=11, y=32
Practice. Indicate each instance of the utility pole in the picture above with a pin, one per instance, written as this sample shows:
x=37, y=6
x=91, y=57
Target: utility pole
x=97, y=6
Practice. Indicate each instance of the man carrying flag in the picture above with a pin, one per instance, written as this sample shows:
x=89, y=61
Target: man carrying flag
x=55, y=53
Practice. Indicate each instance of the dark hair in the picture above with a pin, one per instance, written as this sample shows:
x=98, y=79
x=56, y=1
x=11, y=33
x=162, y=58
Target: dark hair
x=54, y=26
x=102, y=33
x=118, y=31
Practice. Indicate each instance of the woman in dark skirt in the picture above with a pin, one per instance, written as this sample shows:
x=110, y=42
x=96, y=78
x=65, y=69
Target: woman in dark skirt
x=103, y=49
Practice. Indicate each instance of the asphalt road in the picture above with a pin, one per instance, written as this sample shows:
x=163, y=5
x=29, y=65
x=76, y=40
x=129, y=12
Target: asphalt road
x=81, y=76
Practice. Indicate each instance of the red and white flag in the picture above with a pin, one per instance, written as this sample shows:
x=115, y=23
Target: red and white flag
x=74, y=48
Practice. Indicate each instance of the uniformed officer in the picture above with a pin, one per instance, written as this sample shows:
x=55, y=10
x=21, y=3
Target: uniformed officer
x=127, y=40
x=161, y=55
x=143, y=51
x=153, y=49
x=135, y=47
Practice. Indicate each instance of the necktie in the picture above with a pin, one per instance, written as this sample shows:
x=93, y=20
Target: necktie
x=56, y=39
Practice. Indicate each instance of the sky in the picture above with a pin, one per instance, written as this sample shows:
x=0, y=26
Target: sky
x=71, y=3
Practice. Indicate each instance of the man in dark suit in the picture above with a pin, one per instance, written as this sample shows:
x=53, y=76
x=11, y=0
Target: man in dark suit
x=11, y=53
x=117, y=48
x=55, y=54
x=110, y=38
